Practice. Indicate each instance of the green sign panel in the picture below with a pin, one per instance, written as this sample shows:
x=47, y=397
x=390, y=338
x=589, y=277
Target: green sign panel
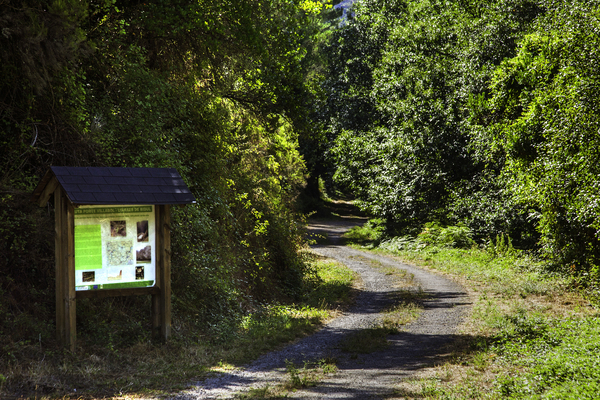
x=114, y=247
x=88, y=247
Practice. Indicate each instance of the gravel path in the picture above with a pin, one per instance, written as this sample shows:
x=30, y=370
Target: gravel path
x=366, y=376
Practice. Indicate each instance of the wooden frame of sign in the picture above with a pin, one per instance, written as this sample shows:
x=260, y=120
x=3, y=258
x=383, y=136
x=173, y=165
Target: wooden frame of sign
x=66, y=293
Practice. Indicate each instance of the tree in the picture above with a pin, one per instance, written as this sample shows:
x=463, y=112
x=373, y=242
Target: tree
x=218, y=90
x=405, y=127
x=546, y=121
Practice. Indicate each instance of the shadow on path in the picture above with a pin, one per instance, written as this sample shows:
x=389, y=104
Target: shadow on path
x=359, y=376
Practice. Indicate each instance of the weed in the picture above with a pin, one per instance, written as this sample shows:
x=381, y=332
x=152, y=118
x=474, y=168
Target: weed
x=266, y=392
x=300, y=378
x=327, y=365
x=307, y=376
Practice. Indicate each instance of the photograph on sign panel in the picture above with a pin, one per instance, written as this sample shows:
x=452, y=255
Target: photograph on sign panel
x=139, y=273
x=118, y=228
x=115, y=275
x=144, y=255
x=89, y=276
x=142, y=231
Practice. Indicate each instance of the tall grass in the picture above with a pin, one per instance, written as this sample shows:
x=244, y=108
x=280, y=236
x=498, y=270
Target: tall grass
x=532, y=333
x=139, y=367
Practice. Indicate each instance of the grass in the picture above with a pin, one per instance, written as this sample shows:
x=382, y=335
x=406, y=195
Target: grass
x=335, y=289
x=404, y=312
x=366, y=341
x=406, y=308
x=298, y=378
x=531, y=335
x=146, y=369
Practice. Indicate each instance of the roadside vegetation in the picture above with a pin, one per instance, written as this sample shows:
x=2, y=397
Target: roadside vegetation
x=308, y=375
x=475, y=112
x=103, y=368
x=533, y=334
x=219, y=91
x=482, y=115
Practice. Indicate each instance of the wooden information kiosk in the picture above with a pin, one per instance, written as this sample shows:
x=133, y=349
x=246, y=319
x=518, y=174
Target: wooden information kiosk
x=112, y=237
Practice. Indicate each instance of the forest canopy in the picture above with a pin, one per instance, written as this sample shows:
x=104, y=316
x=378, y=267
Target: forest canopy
x=217, y=90
x=482, y=113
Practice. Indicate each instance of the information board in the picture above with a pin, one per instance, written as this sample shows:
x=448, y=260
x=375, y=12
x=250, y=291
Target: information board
x=114, y=247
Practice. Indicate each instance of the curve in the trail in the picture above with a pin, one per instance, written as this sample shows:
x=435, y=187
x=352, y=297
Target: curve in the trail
x=361, y=376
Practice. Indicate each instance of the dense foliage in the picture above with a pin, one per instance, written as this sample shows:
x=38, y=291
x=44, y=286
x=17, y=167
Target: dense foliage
x=476, y=112
x=546, y=119
x=218, y=90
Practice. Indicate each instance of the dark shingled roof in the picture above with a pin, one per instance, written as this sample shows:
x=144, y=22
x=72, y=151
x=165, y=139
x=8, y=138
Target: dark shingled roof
x=109, y=185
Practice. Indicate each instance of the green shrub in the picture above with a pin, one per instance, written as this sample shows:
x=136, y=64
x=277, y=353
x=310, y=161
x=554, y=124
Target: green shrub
x=373, y=231
x=401, y=243
x=501, y=247
x=432, y=235
x=452, y=236
x=456, y=237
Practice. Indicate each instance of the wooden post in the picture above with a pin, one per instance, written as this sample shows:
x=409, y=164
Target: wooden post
x=65, y=270
x=161, y=303
x=166, y=272
x=70, y=298
x=59, y=265
x=156, y=298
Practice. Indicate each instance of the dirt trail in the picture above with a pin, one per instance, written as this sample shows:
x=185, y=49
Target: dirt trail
x=363, y=376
